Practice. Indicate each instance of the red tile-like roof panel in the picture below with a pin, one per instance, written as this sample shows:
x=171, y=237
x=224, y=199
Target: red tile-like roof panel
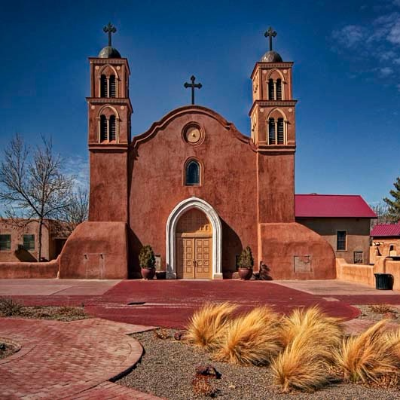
x=332, y=206
x=386, y=230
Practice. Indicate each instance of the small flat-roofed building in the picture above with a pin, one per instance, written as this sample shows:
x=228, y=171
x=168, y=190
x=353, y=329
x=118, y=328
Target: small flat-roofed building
x=343, y=220
x=386, y=239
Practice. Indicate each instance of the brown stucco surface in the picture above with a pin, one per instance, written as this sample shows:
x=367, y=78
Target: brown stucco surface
x=25, y=270
x=95, y=250
x=281, y=243
x=357, y=234
x=228, y=182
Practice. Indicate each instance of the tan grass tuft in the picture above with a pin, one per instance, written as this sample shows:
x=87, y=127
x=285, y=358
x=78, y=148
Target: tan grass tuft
x=327, y=329
x=311, y=339
x=371, y=355
x=253, y=338
x=207, y=325
x=301, y=366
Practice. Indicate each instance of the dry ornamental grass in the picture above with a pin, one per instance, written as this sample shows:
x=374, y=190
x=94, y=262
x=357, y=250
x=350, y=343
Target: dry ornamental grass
x=253, y=338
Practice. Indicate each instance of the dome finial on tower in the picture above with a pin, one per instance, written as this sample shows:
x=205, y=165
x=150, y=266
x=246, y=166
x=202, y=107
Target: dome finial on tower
x=271, y=56
x=109, y=51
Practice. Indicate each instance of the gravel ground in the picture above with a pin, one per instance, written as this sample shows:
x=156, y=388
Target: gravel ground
x=385, y=312
x=168, y=367
x=64, y=314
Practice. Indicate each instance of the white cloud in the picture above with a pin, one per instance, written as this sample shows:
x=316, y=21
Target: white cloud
x=386, y=71
x=77, y=168
x=349, y=35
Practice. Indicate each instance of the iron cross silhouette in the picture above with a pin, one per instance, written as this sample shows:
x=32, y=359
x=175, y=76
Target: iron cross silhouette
x=110, y=29
x=193, y=86
x=270, y=33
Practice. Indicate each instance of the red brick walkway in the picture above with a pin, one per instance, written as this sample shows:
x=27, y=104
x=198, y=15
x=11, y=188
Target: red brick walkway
x=171, y=303
x=72, y=360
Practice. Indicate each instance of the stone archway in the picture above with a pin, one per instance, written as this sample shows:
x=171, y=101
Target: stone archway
x=177, y=212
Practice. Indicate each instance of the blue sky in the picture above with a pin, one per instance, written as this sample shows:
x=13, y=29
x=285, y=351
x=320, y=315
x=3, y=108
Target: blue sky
x=346, y=75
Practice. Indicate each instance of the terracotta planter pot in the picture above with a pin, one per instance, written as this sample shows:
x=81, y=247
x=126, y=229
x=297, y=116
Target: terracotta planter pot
x=245, y=273
x=148, y=274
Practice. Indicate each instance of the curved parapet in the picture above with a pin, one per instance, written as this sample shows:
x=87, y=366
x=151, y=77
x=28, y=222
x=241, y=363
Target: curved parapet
x=292, y=251
x=96, y=250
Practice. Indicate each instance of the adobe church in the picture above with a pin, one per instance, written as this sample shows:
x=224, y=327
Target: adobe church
x=192, y=186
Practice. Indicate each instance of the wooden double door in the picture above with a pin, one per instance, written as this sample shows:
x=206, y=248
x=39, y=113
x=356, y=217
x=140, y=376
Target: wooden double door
x=194, y=246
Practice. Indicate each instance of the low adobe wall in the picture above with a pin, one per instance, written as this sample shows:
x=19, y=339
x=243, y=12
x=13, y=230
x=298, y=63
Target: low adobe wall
x=29, y=270
x=293, y=251
x=357, y=273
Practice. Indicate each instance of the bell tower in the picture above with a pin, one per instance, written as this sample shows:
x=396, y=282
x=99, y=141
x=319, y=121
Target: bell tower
x=273, y=132
x=109, y=110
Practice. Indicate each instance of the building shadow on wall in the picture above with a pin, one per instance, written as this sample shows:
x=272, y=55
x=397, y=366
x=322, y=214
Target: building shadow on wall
x=231, y=248
x=133, y=255
x=23, y=255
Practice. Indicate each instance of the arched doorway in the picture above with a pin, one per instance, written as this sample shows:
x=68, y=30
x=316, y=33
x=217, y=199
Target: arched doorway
x=176, y=229
x=194, y=246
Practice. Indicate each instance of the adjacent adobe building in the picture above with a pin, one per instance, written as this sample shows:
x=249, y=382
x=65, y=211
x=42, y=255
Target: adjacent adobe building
x=192, y=186
x=342, y=220
x=385, y=240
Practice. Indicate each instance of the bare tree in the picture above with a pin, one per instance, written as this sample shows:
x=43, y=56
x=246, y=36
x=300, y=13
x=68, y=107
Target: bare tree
x=32, y=185
x=381, y=211
x=77, y=210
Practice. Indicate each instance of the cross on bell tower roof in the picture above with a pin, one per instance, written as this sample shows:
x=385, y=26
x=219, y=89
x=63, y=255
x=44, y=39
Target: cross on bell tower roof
x=109, y=51
x=271, y=56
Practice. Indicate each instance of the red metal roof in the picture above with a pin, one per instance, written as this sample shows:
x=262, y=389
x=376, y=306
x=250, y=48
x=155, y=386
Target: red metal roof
x=386, y=230
x=332, y=205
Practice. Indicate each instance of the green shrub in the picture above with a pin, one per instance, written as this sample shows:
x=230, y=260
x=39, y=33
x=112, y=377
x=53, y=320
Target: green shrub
x=147, y=258
x=246, y=259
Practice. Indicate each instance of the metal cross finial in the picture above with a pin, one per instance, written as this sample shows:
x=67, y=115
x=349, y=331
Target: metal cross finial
x=110, y=29
x=270, y=33
x=193, y=86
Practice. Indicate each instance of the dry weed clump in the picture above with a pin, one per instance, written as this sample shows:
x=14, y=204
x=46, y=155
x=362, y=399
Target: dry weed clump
x=208, y=325
x=253, y=338
x=10, y=307
x=311, y=339
x=382, y=309
x=370, y=356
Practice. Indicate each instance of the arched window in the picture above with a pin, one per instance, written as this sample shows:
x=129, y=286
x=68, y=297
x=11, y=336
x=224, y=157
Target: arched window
x=281, y=135
x=271, y=131
x=103, y=86
x=112, y=128
x=271, y=90
x=279, y=89
x=113, y=91
x=103, y=128
x=192, y=177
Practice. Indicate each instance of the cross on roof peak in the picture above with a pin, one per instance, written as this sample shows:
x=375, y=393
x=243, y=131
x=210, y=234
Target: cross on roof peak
x=193, y=86
x=110, y=29
x=271, y=34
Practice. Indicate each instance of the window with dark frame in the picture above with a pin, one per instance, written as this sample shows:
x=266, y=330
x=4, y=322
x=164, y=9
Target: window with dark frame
x=279, y=89
x=112, y=127
x=29, y=242
x=103, y=86
x=192, y=173
x=358, y=257
x=5, y=242
x=281, y=135
x=271, y=131
x=271, y=94
x=113, y=90
x=103, y=128
x=341, y=240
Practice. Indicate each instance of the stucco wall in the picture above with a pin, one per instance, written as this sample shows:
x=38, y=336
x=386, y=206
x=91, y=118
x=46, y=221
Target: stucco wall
x=229, y=184
x=95, y=250
x=358, y=273
x=26, y=270
x=15, y=255
x=357, y=234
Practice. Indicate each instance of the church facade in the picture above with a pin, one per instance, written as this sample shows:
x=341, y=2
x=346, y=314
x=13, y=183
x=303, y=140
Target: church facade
x=192, y=186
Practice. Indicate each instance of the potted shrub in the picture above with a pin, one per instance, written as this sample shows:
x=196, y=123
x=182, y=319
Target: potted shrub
x=147, y=262
x=245, y=264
